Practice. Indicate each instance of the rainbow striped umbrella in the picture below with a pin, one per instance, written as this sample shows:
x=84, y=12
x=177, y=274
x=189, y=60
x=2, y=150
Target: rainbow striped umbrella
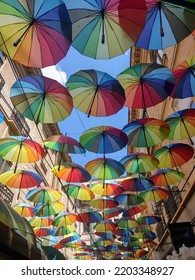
x=182, y=124
x=136, y=184
x=71, y=172
x=174, y=155
x=128, y=199
x=155, y=194
x=64, y=219
x=166, y=177
x=43, y=194
x=112, y=212
x=139, y=163
x=108, y=188
x=96, y=93
x=78, y=192
x=63, y=230
x=20, y=149
x=127, y=223
x=146, y=132
x=105, y=226
x=134, y=210
x=105, y=168
x=41, y=221
x=36, y=35
x=48, y=209
x=41, y=99
x=89, y=216
x=103, y=139
x=24, y=209
x=43, y=231
x=148, y=219
x=103, y=202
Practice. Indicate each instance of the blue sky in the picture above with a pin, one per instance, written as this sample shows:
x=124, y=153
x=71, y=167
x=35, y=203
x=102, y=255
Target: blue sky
x=78, y=122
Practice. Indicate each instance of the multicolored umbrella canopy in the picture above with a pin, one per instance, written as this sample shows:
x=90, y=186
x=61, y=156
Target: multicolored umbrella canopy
x=155, y=194
x=167, y=24
x=102, y=242
x=41, y=99
x=148, y=219
x=1, y=117
x=146, y=84
x=139, y=162
x=128, y=199
x=103, y=139
x=182, y=124
x=20, y=179
x=166, y=177
x=24, y=209
x=63, y=230
x=105, y=226
x=20, y=150
x=71, y=172
x=41, y=221
x=64, y=144
x=43, y=194
x=184, y=79
x=127, y=223
x=89, y=216
x=43, y=231
x=78, y=192
x=136, y=184
x=112, y=212
x=96, y=93
x=36, y=35
x=174, y=155
x=123, y=232
x=146, y=132
x=64, y=219
x=105, y=168
x=103, y=202
x=48, y=209
x=97, y=30
x=108, y=188
x=134, y=210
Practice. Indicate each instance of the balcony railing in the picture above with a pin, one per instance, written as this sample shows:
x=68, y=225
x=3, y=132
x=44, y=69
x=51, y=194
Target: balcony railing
x=6, y=194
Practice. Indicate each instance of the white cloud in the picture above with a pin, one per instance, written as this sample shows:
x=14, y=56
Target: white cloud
x=55, y=73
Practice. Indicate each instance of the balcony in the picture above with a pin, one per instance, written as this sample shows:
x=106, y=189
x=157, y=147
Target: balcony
x=6, y=194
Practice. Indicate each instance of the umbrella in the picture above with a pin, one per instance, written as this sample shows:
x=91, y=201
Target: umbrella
x=112, y=212
x=167, y=24
x=78, y=192
x=105, y=168
x=24, y=209
x=102, y=242
x=68, y=239
x=136, y=184
x=1, y=117
x=166, y=177
x=105, y=226
x=139, y=162
x=155, y=194
x=71, y=172
x=48, y=209
x=64, y=144
x=89, y=216
x=173, y=155
x=146, y=132
x=145, y=235
x=184, y=79
x=103, y=202
x=63, y=230
x=36, y=35
x=96, y=93
x=108, y=188
x=182, y=124
x=128, y=199
x=134, y=210
x=104, y=139
x=97, y=30
x=43, y=231
x=105, y=235
x=149, y=219
x=41, y=99
x=146, y=85
x=20, y=150
x=43, y=194
x=20, y=179
x=123, y=232
x=64, y=219
x=41, y=221
x=127, y=223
